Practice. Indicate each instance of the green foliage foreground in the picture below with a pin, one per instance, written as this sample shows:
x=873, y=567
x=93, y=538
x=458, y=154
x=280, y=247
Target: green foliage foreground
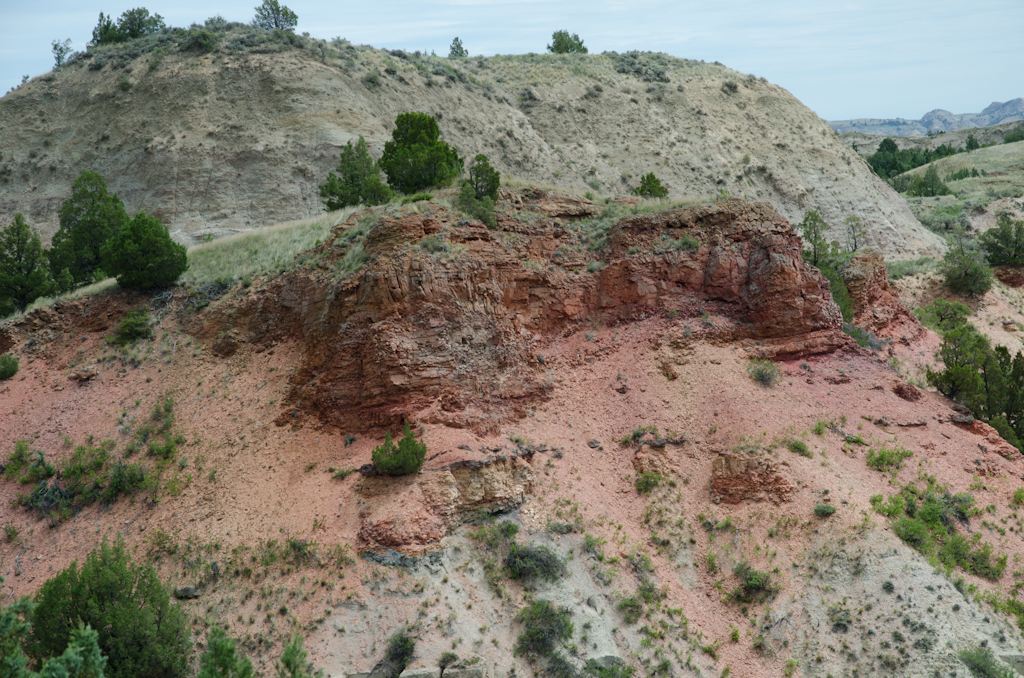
x=139, y=631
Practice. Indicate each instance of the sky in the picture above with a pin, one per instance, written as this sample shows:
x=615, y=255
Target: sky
x=842, y=58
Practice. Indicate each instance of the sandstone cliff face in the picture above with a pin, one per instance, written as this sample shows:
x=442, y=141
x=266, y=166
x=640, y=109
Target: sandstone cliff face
x=876, y=306
x=457, y=336
x=416, y=511
x=238, y=140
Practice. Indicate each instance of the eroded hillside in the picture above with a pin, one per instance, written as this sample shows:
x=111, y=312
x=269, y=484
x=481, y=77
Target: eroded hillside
x=240, y=138
x=589, y=385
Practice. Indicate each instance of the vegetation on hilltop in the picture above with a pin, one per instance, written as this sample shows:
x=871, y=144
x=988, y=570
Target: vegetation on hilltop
x=96, y=239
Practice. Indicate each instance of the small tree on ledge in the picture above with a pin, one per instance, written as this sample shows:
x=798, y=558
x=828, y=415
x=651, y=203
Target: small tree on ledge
x=650, y=187
x=405, y=459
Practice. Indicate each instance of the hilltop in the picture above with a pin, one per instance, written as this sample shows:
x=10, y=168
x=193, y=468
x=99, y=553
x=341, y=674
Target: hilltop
x=938, y=120
x=240, y=137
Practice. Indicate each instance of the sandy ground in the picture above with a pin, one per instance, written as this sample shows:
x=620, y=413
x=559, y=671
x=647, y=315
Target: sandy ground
x=272, y=483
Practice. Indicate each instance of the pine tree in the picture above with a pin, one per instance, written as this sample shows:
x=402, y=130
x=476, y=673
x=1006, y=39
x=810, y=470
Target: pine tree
x=272, y=14
x=650, y=187
x=416, y=158
x=140, y=633
x=562, y=42
x=357, y=181
x=484, y=179
x=24, y=276
x=87, y=220
x=457, y=51
x=220, y=659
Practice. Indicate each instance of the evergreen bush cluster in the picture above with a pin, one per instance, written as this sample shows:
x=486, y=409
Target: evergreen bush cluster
x=404, y=459
x=8, y=366
x=650, y=187
x=96, y=238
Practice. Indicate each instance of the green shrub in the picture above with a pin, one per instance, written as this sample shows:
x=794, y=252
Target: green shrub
x=416, y=158
x=824, y=510
x=545, y=629
x=405, y=459
x=631, y=608
x=598, y=670
x=135, y=326
x=342, y=473
x=142, y=254
x=650, y=187
x=372, y=79
x=893, y=508
x=965, y=274
x=982, y=663
x=755, y=586
x=1004, y=244
x=357, y=181
x=417, y=197
x=132, y=24
x=220, y=659
x=533, y=562
x=928, y=185
x=943, y=316
x=401, y=649
x=837, y=286
x=293, y=660
x=27, y=467
x=1017, y=134
x=914, y=532
x=484, y=179
x=1018, y=498
x=764, y=372
x=139, y=631
x=647, y=481
x=8, y=366
x=477, y=208
x=199, y=40
x=562, y=42
x=799, y=447
x=886, y=459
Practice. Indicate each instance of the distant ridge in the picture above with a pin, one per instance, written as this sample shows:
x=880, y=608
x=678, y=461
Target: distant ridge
x=934, y=121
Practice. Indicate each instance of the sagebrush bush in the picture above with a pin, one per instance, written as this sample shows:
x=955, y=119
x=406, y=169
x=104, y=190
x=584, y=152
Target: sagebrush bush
x=647, y=481
x=824, y=510
x=755, y=585
x=886, y=459
x=982, y=663
x=764, y=372
x=405, y=458
x=8, y=366
x=799, y=447
x=533, y=562
x=545, y=629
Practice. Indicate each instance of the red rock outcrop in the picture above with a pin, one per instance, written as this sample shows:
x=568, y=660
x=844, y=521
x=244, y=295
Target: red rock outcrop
x=876, y=306
x=446, y=318
x=411, y=511
x=737, y=478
